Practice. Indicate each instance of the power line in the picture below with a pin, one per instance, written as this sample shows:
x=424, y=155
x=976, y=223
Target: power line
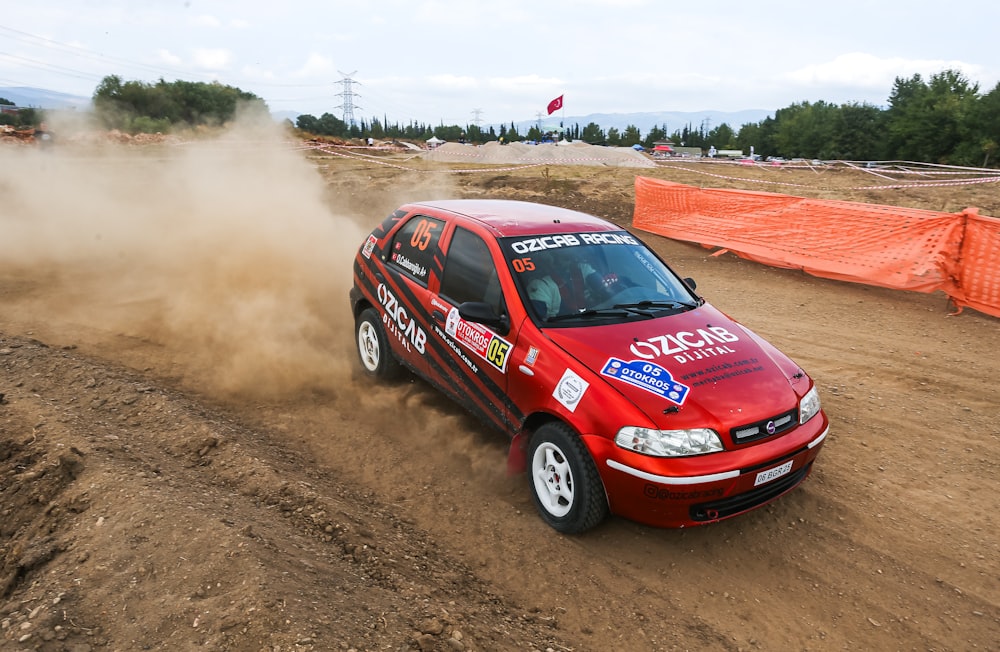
x=84, y=53
x=80, y=53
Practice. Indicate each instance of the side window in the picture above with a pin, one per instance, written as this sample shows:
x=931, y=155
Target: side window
x=413, y=247
x=469, y=273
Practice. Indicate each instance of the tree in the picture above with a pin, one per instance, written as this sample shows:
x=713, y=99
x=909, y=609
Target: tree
x=450, y=132
x=593, y=134
x=655, y=134
x=631, y=136
x=930, y=121
x=25, y=117
x=747, y=138
x=723, y=137
x=985, y=116
x=137, y=106
x=980, y=131
x=857, y=134
x=306, y=122
x=330, y=125
x=804, y=130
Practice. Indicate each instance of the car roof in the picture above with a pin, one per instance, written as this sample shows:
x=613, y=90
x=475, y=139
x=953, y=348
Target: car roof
x=506, y=217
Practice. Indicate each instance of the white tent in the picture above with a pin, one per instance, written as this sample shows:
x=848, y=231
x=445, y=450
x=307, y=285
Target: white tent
x=434, y=141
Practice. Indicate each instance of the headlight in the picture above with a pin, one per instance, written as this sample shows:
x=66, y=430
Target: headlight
x=669, y=443
x=809, y=405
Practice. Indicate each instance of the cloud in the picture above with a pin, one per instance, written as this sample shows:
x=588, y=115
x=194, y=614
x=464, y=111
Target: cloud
x=316, y=64
x=168, y=57
x=212, y=58
x=522, y=83
x=861, y=70
x=452, y=82
x=206, y=21
x=214, y=22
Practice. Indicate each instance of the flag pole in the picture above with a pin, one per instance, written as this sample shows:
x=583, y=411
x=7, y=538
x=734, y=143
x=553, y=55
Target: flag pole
x=562, y=119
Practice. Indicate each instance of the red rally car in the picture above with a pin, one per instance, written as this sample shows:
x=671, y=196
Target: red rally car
x=623, y=390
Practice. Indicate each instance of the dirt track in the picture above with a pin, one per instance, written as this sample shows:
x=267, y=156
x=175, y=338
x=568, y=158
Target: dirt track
x=187, y=461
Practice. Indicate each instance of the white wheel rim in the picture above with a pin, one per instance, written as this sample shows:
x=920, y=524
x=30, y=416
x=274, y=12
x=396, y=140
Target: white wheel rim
x=553, y=479
x=368, y=346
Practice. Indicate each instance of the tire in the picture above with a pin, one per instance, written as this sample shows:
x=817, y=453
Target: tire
x=377, y=360
x=564, y=481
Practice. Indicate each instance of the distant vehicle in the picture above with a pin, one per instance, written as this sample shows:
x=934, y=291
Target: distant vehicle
x=624, y=391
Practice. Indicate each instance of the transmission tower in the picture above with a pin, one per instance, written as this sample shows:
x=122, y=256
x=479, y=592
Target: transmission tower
x=348, y=95
x=478, y=119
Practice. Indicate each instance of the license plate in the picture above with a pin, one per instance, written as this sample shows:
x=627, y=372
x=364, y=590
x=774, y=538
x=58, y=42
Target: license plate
x=771, y=474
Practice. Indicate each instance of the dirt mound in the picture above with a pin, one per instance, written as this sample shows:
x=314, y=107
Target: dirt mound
x=564, y=153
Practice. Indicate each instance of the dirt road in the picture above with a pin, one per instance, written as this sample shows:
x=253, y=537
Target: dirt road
x=187, y=460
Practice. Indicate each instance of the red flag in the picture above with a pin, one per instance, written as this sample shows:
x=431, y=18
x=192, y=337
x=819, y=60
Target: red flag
x=555, y=104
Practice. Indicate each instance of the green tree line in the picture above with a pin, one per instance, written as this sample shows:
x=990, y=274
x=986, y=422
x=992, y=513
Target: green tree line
x=944, y=119
x=20, y=118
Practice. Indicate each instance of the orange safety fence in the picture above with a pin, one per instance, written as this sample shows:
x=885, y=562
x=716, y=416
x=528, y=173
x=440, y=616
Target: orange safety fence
x=887, y=246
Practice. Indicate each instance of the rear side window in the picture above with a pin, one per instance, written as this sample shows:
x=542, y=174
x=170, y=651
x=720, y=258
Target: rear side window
x=414, y=246
x=469, y=273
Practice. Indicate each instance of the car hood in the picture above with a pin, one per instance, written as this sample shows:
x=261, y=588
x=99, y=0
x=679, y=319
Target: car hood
x=697, y=368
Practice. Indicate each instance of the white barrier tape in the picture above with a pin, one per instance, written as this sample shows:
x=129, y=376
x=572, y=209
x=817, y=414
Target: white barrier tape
x=895, y=186
x=955, y=182
x=536, y=161
x=893, y=167
x=761, y=181
x=369, y=159
x=328, y=149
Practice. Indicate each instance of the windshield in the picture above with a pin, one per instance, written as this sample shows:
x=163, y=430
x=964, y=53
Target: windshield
x=575, y=278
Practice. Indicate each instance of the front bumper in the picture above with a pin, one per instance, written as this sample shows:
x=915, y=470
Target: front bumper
x=682, y=492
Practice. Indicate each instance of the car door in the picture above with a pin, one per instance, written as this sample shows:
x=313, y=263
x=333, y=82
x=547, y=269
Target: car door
x=412, y=263
x=475, y=358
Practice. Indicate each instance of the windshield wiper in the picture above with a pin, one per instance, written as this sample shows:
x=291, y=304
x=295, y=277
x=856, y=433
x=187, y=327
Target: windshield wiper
x=647, y=304
x=645, y=308
x=617, y=311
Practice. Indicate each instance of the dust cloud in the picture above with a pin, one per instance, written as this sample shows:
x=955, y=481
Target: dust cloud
x=224, y=252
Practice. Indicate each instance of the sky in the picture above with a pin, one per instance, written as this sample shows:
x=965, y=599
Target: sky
x=458, y=62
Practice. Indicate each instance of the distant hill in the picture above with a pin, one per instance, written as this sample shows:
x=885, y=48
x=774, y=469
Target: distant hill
x=673, y=120
x=38, y=98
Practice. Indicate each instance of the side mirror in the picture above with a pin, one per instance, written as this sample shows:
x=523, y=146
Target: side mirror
x=690, y=283
x=482, y=313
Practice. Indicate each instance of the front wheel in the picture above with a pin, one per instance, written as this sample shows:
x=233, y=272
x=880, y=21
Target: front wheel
x=564, y=481
x=377, y=360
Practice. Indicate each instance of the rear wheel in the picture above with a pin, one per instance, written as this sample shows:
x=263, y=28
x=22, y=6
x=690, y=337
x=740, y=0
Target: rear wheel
x=377, y=360
x=564, y=481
